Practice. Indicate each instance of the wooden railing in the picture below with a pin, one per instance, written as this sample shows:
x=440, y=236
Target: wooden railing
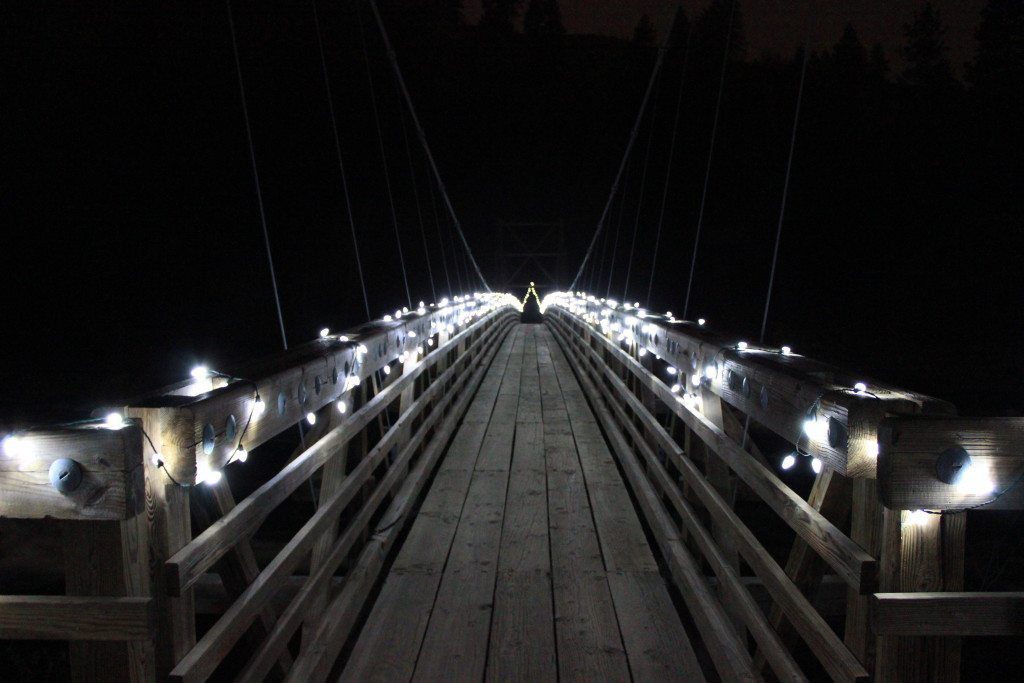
x=381, y=402
x=681, y=406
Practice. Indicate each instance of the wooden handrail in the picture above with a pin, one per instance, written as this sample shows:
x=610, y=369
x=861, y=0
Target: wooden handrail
x=828, y=648
x=189, y=563
x=59, y=617
x=948, y=614
x=203, y=659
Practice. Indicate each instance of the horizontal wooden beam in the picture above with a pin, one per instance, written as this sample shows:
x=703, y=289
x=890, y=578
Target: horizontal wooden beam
x=910, y=446
x=112, y=484
x=215, y=413
x=776, y=389
x=948, y=614
x=59, y=617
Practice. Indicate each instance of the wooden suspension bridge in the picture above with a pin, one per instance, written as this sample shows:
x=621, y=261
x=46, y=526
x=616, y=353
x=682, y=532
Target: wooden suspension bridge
x=579, y=499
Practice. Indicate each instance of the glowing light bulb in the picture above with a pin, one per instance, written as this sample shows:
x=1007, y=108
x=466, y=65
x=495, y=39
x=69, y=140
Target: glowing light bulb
x=695, y=379
x=430, y=342
x=860, y=386
x=342, y=407
x=387, y=369
x=311, y=418
x=816, y=465
x=412, y=334
x=15, y=446
x=343, y=338
x=917, y=518
x=668, y=314
x=212, y=477
x=258, y=406
x=642, y=352
x=816, y=428
x=387, y=318
x=241, y=455
x=156, y=459
x=671, y=370
x=113, y=421
x=701, y=321
x=872, y=449
x=786, y=350
x=742, y=346
x=676, y=388
x=711, y=372
x=200, y=372
x=976, y=481
x=788, y=462
x=324, y=332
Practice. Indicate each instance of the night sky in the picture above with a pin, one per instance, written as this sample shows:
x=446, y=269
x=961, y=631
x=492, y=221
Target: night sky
x=133, y=249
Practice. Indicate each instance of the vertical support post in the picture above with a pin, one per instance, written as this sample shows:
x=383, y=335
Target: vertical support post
x=109, y=559
x=920, y=553
x=169, y=526
x=866, y=518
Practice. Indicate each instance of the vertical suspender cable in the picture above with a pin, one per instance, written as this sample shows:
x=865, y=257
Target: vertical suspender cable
x=416, y=199
x=785, y=189
x=668, y=167
x=711, y=153
x=256, y=177
x=618, y=230
x=440, y=237
x=423, y=140
x=341, y=163
x=629, y=146
x=640, y=199
x=383, y=156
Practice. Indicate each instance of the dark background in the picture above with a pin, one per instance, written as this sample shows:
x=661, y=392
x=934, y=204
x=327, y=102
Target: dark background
x=132, y=245
x=132, y=249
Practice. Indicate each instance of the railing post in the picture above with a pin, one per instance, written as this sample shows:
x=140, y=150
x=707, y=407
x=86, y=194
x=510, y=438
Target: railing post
x=168, y=526
x=920, y=552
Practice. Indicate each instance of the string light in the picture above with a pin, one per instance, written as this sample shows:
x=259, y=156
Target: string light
x=788, y=461
x=860, y=386
x=114, y=421
x=916, y=518
x=786, y=350
x=342, y=407
x=258, y=406
x=742, y=346
x=671, y=370
x=311, y=418
x=200, y=372
x=701, y=321
x=324, y=332
x=816, y=465
x=695, y=379
x=711, y=372
x=15, y=446
x=412, y=334
x=676, y=388
x=387, y=369
x=241, y=455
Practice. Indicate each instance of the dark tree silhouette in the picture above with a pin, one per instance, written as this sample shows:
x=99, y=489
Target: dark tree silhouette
x=644, y=33
x=925, y=51
x=543, y=18
x=500, y=15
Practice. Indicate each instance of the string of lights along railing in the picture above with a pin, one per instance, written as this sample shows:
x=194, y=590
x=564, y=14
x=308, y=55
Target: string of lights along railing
x=830, y=417
x=343, y=361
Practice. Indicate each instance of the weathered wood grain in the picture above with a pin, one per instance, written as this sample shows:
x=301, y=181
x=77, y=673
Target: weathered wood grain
x=58, y=617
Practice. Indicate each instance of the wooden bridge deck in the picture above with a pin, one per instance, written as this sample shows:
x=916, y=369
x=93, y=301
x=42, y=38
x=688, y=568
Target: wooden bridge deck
x=527, y=560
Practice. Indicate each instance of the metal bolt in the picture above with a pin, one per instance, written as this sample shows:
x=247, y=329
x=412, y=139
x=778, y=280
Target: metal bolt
x=65, y=475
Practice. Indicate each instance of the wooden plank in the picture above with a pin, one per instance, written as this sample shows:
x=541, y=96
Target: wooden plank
x=112, y=484
x=910, y=446
x=655, y=641
x=843, y=555
x=522, y=639
x=58, y=617
x=589, y=644
x=316, y=659
x=390, y=641
x=865, y=530
x=948, y=614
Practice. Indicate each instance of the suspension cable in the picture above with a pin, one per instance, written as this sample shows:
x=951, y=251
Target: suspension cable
x=383, y=156
x=785, y=188
x=341, y=163
x=256, y=177
x=711, y=153
x=618, y=230
x=423, y=140
x=629, y=144
x=643, y=184
x=668, y=167
x=440, y=236
x=416, y=200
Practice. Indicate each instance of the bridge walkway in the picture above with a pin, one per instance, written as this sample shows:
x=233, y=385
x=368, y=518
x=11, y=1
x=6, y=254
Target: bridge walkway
x=527, y=560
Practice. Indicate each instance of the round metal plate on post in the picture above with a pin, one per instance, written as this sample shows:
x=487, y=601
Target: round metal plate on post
x=65, y=475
